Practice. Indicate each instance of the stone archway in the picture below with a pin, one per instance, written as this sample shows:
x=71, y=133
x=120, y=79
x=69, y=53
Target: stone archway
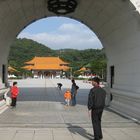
x=117, y=25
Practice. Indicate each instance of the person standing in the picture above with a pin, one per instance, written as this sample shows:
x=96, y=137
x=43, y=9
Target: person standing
x=14, y=94
x=67, y=97
x=96, y=104
x=73, y=92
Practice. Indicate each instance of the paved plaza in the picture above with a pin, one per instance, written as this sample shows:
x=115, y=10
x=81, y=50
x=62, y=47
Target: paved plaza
x=41, y=115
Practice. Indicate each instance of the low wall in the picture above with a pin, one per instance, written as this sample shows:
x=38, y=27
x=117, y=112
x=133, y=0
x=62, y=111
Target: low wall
x=126, y=103
x=3, y=95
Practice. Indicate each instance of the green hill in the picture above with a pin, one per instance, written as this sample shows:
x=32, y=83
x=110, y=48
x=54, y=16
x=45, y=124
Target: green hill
x=23, y=50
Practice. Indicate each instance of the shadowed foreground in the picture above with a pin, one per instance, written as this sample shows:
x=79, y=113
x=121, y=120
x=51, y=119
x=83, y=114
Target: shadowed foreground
x=41, y=114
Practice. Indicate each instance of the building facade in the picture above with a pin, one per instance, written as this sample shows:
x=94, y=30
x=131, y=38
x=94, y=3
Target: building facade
x=47, y=67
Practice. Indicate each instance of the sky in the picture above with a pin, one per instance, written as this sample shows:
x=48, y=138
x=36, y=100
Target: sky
x=61, y=33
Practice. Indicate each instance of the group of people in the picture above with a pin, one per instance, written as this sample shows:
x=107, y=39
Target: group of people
x=70, y=96
x=96, y=102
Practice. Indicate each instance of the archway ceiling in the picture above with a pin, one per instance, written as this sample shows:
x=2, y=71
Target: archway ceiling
x=100, y=15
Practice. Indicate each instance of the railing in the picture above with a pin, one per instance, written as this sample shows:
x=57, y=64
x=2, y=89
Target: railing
x=3, y=91
x=126, y=103
x=3, y=97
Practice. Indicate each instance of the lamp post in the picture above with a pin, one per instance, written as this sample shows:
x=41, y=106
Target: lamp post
x=71, y=75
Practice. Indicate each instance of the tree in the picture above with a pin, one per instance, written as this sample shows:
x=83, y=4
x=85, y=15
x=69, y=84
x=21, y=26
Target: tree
x=99, y=67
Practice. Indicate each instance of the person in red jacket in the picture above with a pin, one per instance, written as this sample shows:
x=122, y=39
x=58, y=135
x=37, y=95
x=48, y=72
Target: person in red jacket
x=14, y=94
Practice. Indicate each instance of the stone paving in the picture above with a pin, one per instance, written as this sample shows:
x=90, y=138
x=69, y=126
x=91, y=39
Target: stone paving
x=42, y=115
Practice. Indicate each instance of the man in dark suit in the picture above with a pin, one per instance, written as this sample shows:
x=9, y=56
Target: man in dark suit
x=96, y=103
x=74, y=89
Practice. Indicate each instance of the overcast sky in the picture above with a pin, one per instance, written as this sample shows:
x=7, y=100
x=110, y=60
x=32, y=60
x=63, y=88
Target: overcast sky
x=60, y=32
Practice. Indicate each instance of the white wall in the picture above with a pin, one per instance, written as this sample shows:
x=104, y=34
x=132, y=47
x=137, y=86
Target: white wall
x=123, y=50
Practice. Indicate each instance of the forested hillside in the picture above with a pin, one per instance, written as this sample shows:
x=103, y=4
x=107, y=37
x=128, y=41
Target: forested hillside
x=23, y=50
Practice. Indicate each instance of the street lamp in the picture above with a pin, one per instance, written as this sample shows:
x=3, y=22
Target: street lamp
x=62, y=7
x=71, y=73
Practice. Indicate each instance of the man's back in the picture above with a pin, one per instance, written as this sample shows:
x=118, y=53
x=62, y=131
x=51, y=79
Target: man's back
x=96, y=103
x=96, y=98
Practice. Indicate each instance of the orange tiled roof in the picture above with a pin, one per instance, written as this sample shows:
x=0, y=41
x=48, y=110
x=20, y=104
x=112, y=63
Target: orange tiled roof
x=46, y=63
x=29, y=67
x=65, y=68
x=11, y=69
x=82, y=69
x=46, y=60
x=47, y=67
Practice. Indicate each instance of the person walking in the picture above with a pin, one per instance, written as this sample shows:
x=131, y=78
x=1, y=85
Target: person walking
x=74, y=89
x=67, y=97
x=96, y=104
x=14, y=94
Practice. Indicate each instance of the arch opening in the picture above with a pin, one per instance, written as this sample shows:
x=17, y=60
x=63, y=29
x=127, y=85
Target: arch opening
x=68, y=39
x=116, y=23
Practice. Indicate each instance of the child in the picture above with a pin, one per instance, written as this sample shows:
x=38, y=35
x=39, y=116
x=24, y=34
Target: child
x=67, y=97
x=14, y=94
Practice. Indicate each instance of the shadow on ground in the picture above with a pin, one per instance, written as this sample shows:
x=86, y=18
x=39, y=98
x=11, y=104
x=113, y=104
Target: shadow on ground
x=74, y=129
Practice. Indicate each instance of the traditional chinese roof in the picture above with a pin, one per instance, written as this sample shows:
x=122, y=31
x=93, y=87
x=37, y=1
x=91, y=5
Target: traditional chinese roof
x=28, y=67
x=46, y=60
x=11, y=69
x=46, y=63
x=82, y=69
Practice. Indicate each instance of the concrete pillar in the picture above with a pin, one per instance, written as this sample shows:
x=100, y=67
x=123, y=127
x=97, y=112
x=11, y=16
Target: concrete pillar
x=123, y=50
x=3, y=66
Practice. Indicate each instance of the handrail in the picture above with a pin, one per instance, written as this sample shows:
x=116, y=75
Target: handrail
x=4, y=92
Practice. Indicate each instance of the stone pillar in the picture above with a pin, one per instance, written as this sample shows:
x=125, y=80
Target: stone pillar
x=4, y=52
